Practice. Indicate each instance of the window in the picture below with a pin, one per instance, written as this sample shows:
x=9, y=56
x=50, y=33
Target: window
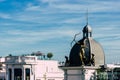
x=17, y=74
x=10, y=74
x=27, y=74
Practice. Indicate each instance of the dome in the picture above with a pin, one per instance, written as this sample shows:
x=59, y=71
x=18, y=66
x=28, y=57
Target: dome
x=87, y=51
x=87, y=31
x=87, y=28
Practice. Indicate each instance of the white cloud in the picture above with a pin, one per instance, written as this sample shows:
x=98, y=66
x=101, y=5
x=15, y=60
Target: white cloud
x=51, y=13
x=2, y=0
x=98, y=7
x=32, y=8
x=5, y=16
x=31, y=37
x=49, y=1
x=52, y=1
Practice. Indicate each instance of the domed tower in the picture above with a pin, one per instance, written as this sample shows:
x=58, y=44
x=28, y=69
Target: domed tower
x=87, y=51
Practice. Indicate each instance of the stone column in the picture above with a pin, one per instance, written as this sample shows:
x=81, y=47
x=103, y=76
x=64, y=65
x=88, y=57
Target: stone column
x=83, y=74
x=12, y=72
x=7, y=72
x=65, y=74
x=112, y=77
x=23, y=73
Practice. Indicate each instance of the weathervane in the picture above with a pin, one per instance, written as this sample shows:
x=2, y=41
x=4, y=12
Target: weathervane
x=75, y=38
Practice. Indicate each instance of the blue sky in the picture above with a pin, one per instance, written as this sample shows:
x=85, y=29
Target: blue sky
x=28, y=26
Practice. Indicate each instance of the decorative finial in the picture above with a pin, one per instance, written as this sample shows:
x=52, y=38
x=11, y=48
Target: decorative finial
x=87, y=16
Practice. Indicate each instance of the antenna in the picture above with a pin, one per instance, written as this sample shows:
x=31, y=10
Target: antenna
x=87, y=16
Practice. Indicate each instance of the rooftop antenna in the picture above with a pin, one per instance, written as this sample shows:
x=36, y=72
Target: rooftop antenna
x=87, y=16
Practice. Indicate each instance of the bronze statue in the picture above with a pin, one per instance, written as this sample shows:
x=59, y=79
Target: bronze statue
x=93, y=59
x=82, y=55
x=67, y=61
x=82, y=52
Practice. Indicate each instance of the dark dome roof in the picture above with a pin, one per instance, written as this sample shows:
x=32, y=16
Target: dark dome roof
x=86, y=50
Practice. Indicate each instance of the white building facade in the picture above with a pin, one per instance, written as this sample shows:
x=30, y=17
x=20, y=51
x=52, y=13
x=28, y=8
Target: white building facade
x=30, y=68
x=2, y=69
x=79, y=73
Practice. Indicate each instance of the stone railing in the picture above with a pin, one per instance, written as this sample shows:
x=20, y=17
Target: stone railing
x=20, y=59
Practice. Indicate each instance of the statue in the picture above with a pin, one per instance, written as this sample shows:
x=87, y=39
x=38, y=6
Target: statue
x=67, y=61
x=82, y=55
x=82, y=52
x=93, y=59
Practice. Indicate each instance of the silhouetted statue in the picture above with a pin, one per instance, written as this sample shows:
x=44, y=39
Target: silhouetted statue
x=93, y=60
x=82, y=55
x=67, y=61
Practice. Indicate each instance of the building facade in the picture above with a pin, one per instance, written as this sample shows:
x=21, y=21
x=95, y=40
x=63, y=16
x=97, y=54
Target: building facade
x=2, y=69
x=30, y=68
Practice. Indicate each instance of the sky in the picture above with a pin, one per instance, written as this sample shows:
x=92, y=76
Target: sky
x=28, y=26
